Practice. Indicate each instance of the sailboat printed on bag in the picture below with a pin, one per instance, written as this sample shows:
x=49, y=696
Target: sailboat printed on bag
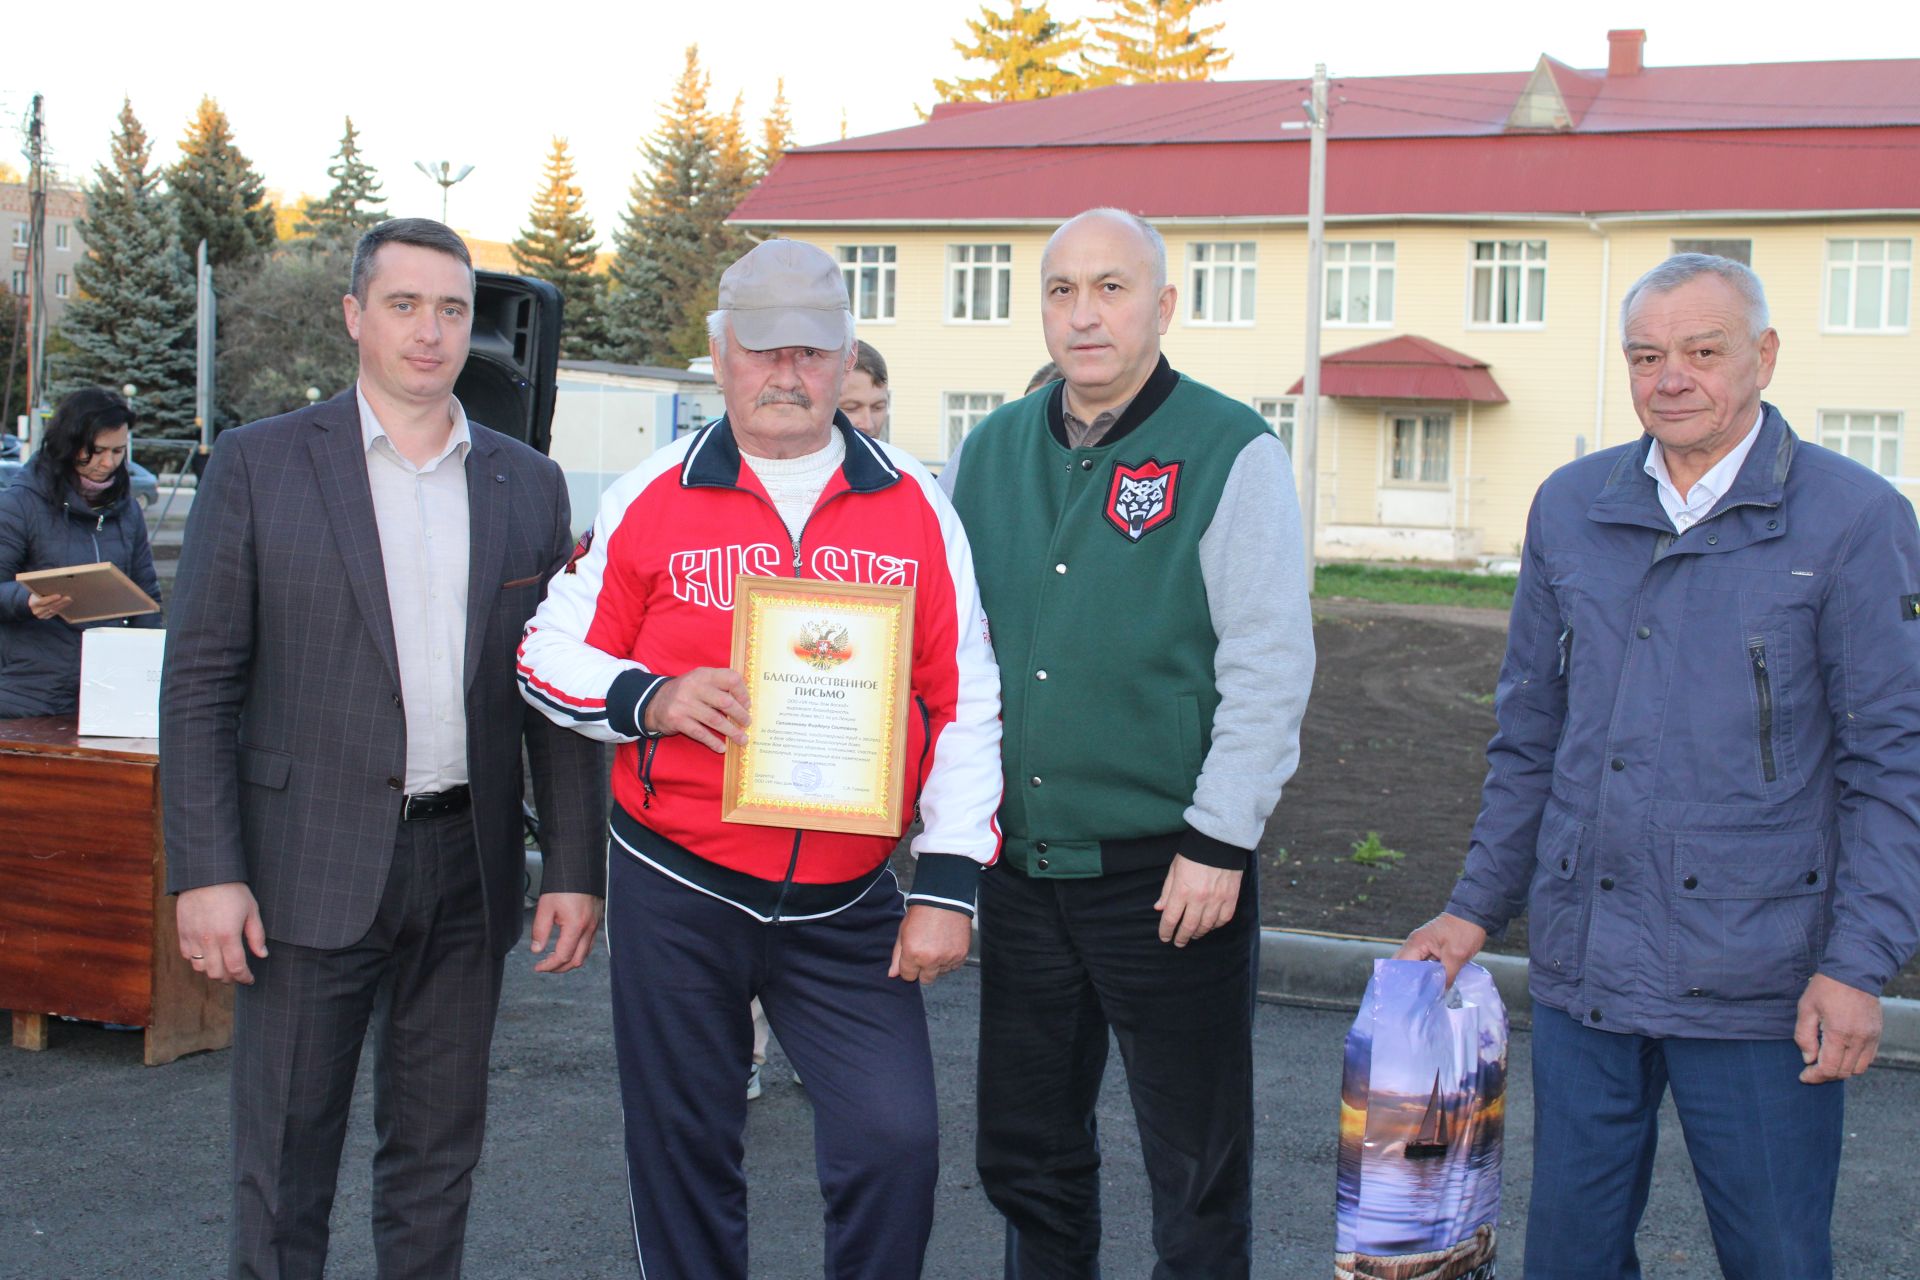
x=1433, y=1139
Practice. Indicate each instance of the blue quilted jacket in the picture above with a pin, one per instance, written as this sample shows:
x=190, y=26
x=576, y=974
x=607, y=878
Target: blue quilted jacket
x=1705, y=786
x=44, y=525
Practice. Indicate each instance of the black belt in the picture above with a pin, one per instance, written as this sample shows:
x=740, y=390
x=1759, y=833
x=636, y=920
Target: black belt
x=435, y=804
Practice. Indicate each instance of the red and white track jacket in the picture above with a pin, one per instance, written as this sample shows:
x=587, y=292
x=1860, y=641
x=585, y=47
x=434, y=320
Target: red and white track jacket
x=649, y=595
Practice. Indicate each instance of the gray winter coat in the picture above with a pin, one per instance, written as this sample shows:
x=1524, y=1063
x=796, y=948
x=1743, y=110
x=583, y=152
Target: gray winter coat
x=45, y=524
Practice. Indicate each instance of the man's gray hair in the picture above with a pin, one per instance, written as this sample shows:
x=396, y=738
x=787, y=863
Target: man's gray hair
x=717, y=330
x=1156, y=244
x=1682, y=267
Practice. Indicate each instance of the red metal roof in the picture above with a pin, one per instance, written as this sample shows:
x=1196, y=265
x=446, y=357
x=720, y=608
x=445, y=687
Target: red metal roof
x=1667, y=139
x=1405, y=368
x=1570, y=173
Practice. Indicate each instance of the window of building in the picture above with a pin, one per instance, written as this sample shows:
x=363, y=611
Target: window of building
x=979, y=282
x=19, y=235
x=1359, y=284
x=60, y=231
x=1281, y=412
x=18, y=283
x=869, y=269
x=1741, y=251
x=1872, y=439
x=964, y=410
x=1419, y=446
x=1223, y=279
x=60, y=285
x=1868, y=285
x=1510, y=282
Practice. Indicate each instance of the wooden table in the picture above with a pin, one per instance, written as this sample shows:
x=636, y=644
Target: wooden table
x=86, y=928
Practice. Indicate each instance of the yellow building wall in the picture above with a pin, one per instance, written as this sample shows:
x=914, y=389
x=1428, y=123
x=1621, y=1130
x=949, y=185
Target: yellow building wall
x=1565, y=380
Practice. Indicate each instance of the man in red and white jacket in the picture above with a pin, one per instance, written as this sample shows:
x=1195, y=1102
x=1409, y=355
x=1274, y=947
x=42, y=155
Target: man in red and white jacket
x=631, y=646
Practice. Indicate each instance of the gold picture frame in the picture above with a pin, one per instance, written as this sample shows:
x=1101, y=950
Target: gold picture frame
x=828, y=668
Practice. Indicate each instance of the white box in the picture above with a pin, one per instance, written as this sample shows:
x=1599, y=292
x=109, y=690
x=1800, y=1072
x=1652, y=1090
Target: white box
x=120, y=682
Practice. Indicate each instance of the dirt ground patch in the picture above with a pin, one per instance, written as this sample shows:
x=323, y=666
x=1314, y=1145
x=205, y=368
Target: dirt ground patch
x=1394, y=742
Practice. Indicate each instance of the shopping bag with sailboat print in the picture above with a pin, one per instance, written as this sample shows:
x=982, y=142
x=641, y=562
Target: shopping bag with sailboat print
x=1422, y=1110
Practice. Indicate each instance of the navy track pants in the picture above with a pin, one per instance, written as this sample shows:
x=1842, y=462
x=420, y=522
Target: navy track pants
x=685, y=966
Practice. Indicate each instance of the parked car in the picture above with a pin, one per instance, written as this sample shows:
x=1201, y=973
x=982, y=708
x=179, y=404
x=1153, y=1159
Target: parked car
x=146, y=486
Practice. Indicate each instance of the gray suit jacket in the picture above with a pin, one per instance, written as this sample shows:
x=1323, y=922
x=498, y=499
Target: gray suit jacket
x=282, y=736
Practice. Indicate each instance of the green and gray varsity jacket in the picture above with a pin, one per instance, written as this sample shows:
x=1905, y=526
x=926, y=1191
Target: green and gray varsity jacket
x=1148, y=602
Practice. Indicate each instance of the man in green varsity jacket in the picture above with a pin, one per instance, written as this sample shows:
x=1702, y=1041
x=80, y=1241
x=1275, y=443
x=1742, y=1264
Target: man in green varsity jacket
x=1140, y=557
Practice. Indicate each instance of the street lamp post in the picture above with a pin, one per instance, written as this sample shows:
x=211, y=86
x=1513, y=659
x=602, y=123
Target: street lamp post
x=441, y=172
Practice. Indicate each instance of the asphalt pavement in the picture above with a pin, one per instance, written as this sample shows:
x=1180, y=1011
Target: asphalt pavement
x=111, y=1169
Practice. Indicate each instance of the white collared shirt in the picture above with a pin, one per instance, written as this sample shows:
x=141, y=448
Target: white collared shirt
x=424, y=545
x=1689, y=509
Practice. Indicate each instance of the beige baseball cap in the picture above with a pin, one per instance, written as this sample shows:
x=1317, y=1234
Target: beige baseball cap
x=783, y=293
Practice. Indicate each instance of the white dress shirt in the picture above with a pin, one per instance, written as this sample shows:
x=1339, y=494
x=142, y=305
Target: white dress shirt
x=424, y=537
x=1688, y=509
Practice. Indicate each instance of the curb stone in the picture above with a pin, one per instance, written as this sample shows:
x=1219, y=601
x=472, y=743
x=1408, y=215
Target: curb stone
x=1330, y=971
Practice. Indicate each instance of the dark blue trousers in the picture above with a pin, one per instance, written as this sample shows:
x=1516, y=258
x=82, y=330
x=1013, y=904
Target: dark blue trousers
x=685, y=967
x=1765, y=1150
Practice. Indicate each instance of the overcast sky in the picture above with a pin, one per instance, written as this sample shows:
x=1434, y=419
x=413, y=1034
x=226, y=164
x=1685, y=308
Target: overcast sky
x=464, y=83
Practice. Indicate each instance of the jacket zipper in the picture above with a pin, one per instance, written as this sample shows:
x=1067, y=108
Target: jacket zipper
x=926, y=746
x=1763, y=686
x=793, y=859
x=646, y=772
x=793, y=865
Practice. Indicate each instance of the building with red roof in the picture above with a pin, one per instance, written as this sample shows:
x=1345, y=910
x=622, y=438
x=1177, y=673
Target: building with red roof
x=1482, y=230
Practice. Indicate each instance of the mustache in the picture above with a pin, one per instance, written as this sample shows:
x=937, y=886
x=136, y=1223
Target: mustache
x=800, y=398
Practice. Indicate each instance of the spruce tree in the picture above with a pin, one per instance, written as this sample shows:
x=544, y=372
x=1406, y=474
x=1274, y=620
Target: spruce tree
x=558, y=246
x=1026, y=52
x=133, y=320
x=1148, y=41
x=662, y=258
x=217, y=196
x=281, y=332
x=776, y=131
x=352, y=205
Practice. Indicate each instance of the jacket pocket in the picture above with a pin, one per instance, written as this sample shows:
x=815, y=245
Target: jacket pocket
x=926, y=749
x=264, y=768
x=1557, y=906
x=1763, y=705
x=1748, y=914
x=1193, y=751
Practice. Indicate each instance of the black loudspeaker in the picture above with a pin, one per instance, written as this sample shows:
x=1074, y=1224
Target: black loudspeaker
x=513, y=365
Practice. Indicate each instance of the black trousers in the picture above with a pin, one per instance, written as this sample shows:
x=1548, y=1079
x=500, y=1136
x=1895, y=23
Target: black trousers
x=427, y=979
x=1062, y=961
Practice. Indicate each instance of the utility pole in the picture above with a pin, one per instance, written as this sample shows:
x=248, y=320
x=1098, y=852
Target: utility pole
x=36, y=268
x=1309, y=439
x=203, y=336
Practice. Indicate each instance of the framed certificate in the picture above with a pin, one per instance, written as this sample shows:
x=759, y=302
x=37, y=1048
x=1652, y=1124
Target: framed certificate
x=827, y=670
x=99, y=591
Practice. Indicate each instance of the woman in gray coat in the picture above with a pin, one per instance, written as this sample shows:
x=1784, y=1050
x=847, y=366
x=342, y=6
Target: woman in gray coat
x=71, y=505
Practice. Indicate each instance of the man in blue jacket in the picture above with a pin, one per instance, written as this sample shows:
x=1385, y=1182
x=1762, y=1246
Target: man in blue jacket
x=1705, y=790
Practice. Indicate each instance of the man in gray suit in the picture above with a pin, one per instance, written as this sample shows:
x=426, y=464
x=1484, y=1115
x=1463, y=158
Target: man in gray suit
x=340, y=754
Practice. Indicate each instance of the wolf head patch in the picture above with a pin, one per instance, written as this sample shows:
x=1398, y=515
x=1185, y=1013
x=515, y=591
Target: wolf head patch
x=1141, y=498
